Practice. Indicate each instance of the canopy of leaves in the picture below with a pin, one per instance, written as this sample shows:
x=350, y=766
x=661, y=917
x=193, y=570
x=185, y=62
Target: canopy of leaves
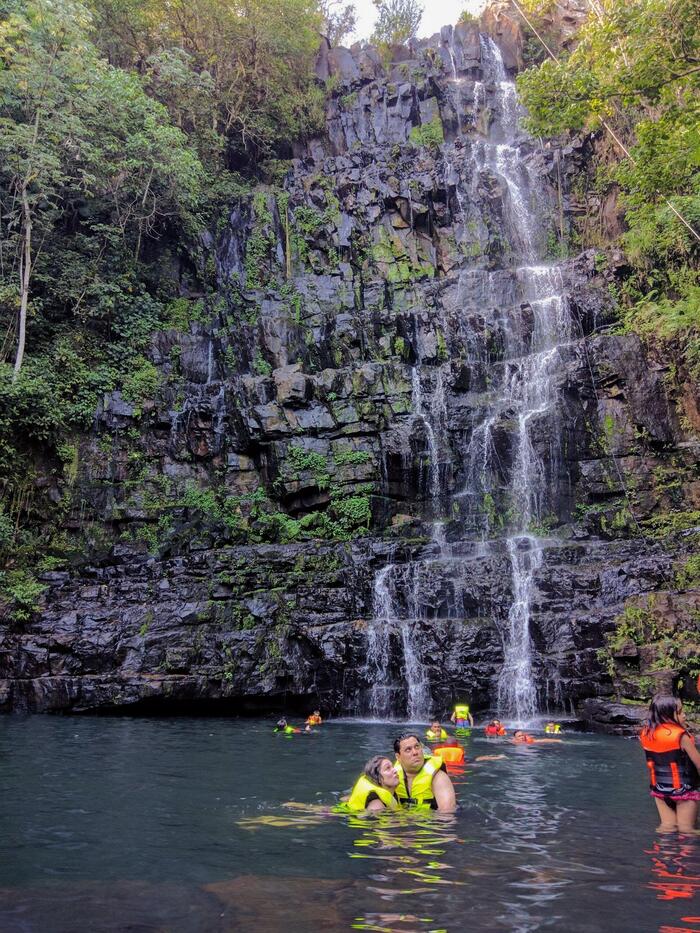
x=238, y=75
x=339, y=20
x=397, y=20
x=636, y=71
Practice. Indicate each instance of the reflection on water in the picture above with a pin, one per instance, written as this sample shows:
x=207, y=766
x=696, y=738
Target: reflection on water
x=675, y=873
x=186, y=826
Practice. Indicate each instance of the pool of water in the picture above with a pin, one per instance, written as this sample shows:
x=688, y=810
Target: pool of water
x=180, y=825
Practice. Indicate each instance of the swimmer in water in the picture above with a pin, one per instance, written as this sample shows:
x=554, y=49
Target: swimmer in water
x=524, y=738
x=375, y=789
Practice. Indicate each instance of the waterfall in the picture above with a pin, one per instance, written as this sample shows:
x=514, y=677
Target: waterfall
x=515, y=359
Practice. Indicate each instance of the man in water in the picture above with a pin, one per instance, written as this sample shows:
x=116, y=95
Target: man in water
x=524, y=738
x=435, y=733
x=423, y=780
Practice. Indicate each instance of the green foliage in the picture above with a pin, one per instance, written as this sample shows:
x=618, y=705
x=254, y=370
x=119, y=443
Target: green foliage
x=352, y=514
x=300, y=460
x=354, y=457
x=260, y=364
x=634, y=68
x=671, y=523
x=688, y=574
x=180, y=313
x=260, y=243
x=397, y=20
x=238, y=77
x=339, y=20
x=142, y=382
x=673, y=320
x=428, y=134
x=467, y=18
x=21, y=592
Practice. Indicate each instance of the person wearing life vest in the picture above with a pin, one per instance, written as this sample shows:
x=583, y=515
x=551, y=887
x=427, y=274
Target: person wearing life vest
x=553, y=728
x=282, y=726
x=673, y=761
x=375, y=789
x=462, y=717
x=423, y=780
x=495, y=728
x=313, y=720
x=451, y=753
x=435, y=733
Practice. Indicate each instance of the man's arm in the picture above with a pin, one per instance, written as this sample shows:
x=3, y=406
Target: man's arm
x=444, y=792
x=471, y=720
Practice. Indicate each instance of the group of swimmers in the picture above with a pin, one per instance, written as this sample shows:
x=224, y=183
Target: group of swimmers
x=312, y=720
x=418, y=778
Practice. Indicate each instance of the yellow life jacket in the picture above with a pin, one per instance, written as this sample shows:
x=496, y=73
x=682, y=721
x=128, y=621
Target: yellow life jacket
x=422, y=796
x=434, y=737
x=553, y=727
x=462, y=711
x=361, y=791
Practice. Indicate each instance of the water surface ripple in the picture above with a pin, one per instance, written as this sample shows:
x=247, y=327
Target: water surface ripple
x=183, y=825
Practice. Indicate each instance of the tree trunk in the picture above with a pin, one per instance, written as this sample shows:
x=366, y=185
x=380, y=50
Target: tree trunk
x=25, y=276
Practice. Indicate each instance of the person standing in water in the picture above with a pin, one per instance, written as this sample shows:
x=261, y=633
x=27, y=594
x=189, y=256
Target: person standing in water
x=462, y=717
x=423, y=780
x=673, y=761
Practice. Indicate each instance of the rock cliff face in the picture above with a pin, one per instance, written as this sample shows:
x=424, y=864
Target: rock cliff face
x=400, y=459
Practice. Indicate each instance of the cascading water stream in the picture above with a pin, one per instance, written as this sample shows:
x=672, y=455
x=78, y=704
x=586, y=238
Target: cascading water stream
x=528, y=390
x=519, y=395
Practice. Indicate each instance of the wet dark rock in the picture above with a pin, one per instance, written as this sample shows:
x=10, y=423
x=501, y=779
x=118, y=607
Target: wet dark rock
x=404, y=258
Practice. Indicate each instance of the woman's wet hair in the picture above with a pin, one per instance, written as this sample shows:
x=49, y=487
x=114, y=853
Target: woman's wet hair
x=401, y=738
x=662, y=709
x=373, y=769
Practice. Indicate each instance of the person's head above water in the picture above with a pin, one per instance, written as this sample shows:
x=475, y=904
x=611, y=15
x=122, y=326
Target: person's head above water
x=664, y=708
x=409, y=751
x=381, y=771
x=281, y=723
x=435, y=725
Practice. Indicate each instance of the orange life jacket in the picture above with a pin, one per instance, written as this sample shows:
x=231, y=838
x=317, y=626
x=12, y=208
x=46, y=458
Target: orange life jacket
x=671, y=771
x=314, y=720
x=495, y=730
x=450, y=754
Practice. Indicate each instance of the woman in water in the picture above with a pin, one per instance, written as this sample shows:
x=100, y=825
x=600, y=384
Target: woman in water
x=674, y=762
x=374, y=789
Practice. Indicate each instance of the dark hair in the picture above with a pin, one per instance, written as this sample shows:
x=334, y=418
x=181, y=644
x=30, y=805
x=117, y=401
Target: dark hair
x=662, y=709
x=373, y=767
x=404, y=735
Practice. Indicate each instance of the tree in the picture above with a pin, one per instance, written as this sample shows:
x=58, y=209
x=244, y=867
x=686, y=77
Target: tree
x=250, y=60
x=635, y=73
x=397, y=20
x=338, y=20
x=81, y=147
